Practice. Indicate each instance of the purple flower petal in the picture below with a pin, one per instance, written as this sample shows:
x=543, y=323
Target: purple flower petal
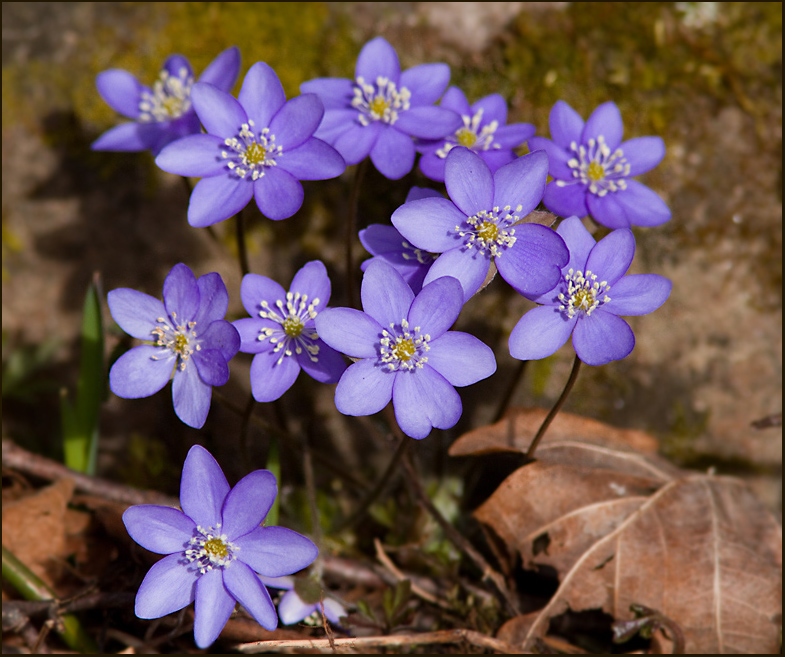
x=566, y=125
x=168, y=587
x=602, y=338
x=248, y=503
x=643, y=154
x=313, y=160
x=121, y=91
x=223, y=337
x=212, y=367
x=220, y=113
x=496, y=159
x=312, y=281
x=175, y=64
x=642, y=206
x=540, y=333
x=213, y=299
x=336, y=93
x=218, y=198
x=350, y=331
x=378, y=59
x=423, y=399
x=461, y=358
x=533, y=264
x=437, y=307
x=612, y=256
x=135, y=312
x=160, y=529
x=275, y=551
x=334, y=610
x=261, y=95
x=355, y=143
x=557, y=158
x=521, y=182
x=469, y=267
x=278, y=193
x=128, y=137
x=579, y=242
x=638, y=294
x=429, y=223
x=455, y=100
x=432, y=166
x=296, y=121
x=249, y=329
x=566, y=201
x=494, y=108
x=469, y=181
x=246, y=588
x=328, y=367
x=203, y=487
x=426, y=82
x=181, y=294
x=428, y=122
x=292, y=609
x=604, y=121
x=214, y=606
x=195, y=155
x=393, y=153
x=272, y=374
x=223, y=70
x=378, y=239
x=141, y=372
x=385, y=295
x=608, y=211
x=255, y=288
x=335, y=123
x=513, y=135
x=364, y=389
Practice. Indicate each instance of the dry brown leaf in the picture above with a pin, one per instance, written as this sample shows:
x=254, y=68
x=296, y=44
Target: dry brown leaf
x=621, y=527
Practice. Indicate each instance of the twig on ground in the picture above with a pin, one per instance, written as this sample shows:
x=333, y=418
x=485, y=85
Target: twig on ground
x=399, y=576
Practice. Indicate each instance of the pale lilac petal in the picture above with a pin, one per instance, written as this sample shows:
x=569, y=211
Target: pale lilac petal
x=349, y=331
x=181, y=294
x=272, y=374
x=135, y=312
x=426, y=82
x=329, y=364
x=313, y=160
x=540, y=333
x=430, y=223
x=604, y=121
x=432, y=165
x=276, y=551
x=378, y=239
x=469, y=267
x=437, y=307
x=335, y=122
x=513, y=135
x=385, y=295
x=393, y=153
x=469, y=181
x=168, y=587
x=602, y=338
x=214, y=606
x=557, y=158
x=160, y=529
x=296, y=121
x=638, y=294
x=533, y=264
x=423, y=399
x=612, y=256
x=261, y=95
x=428, y=122
x=496, y=159
x=566, y=125
x=255, y=288
x=121, y=91
x=642, y=206
x=364, y=389
x=195, y=155
x=175, y=64
x=246, y=588
x=377, y=59
x=217, y=198
x=355, y=143
x=141, y=372
x=212, y=367
x=248, y=503
x=461, y=358
x=579, y=242
x=128, y=137
x=223, y=70
x=312, y=282
x=334, y=610
x=249, y=329
x=292, y=609
x=336, y=93
x=191, y=396
x=521, y=182
x=418, y=193
x=643, y=154
x=278, y=193
x=566, y=201
x=213, y=299
x=219, y=112
x=455, y=100
x=494, y=108
x=203, y=487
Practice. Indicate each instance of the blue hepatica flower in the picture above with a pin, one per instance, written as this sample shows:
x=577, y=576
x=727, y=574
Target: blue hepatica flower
x=216, y=548
x=484, y=131
x=592, y=169
x=188, y=342
x=379, y=112
x=293, y=609
x=481, y=222
x=281, y=331
x=586, y=303
x=406, y=352
x=162, y=113
x=386, y=243
x=257, y=146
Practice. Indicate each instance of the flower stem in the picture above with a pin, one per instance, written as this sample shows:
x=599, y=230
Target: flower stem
x=242, y=253
x=505, y=402
x=576, y=366
x=351, y=229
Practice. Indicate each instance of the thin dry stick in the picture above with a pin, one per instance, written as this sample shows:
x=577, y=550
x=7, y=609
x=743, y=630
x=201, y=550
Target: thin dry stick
x=576, y=366
x=242, y=253
x=505, y=402
x=396, y=640
x=381, y=555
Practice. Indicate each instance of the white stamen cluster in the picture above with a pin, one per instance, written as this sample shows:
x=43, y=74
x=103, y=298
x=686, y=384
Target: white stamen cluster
x=170, y=97
x=412, y=253
x=293, y=337
x=469, y=137
x=209, y=549
x=179, y=339
x=584, y=293
x=403, y=348
x=251, y=152
x=379, y=102
x=490, y=231
x=597, y=167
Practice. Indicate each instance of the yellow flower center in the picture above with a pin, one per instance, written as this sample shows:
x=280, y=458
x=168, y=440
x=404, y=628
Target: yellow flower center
x=466, y=137
x=595, y=172
x=404, y=349
x=216, y=547
x=377, y=107
x=488, y=231
x=255, y=154
x=293, y=326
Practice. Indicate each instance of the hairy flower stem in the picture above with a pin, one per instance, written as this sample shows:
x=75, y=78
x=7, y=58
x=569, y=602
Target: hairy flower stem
x=310, y=489
x=244, y=423
x=242, y=253
x=576, y=366
x=351, y=232
x=514, y=381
